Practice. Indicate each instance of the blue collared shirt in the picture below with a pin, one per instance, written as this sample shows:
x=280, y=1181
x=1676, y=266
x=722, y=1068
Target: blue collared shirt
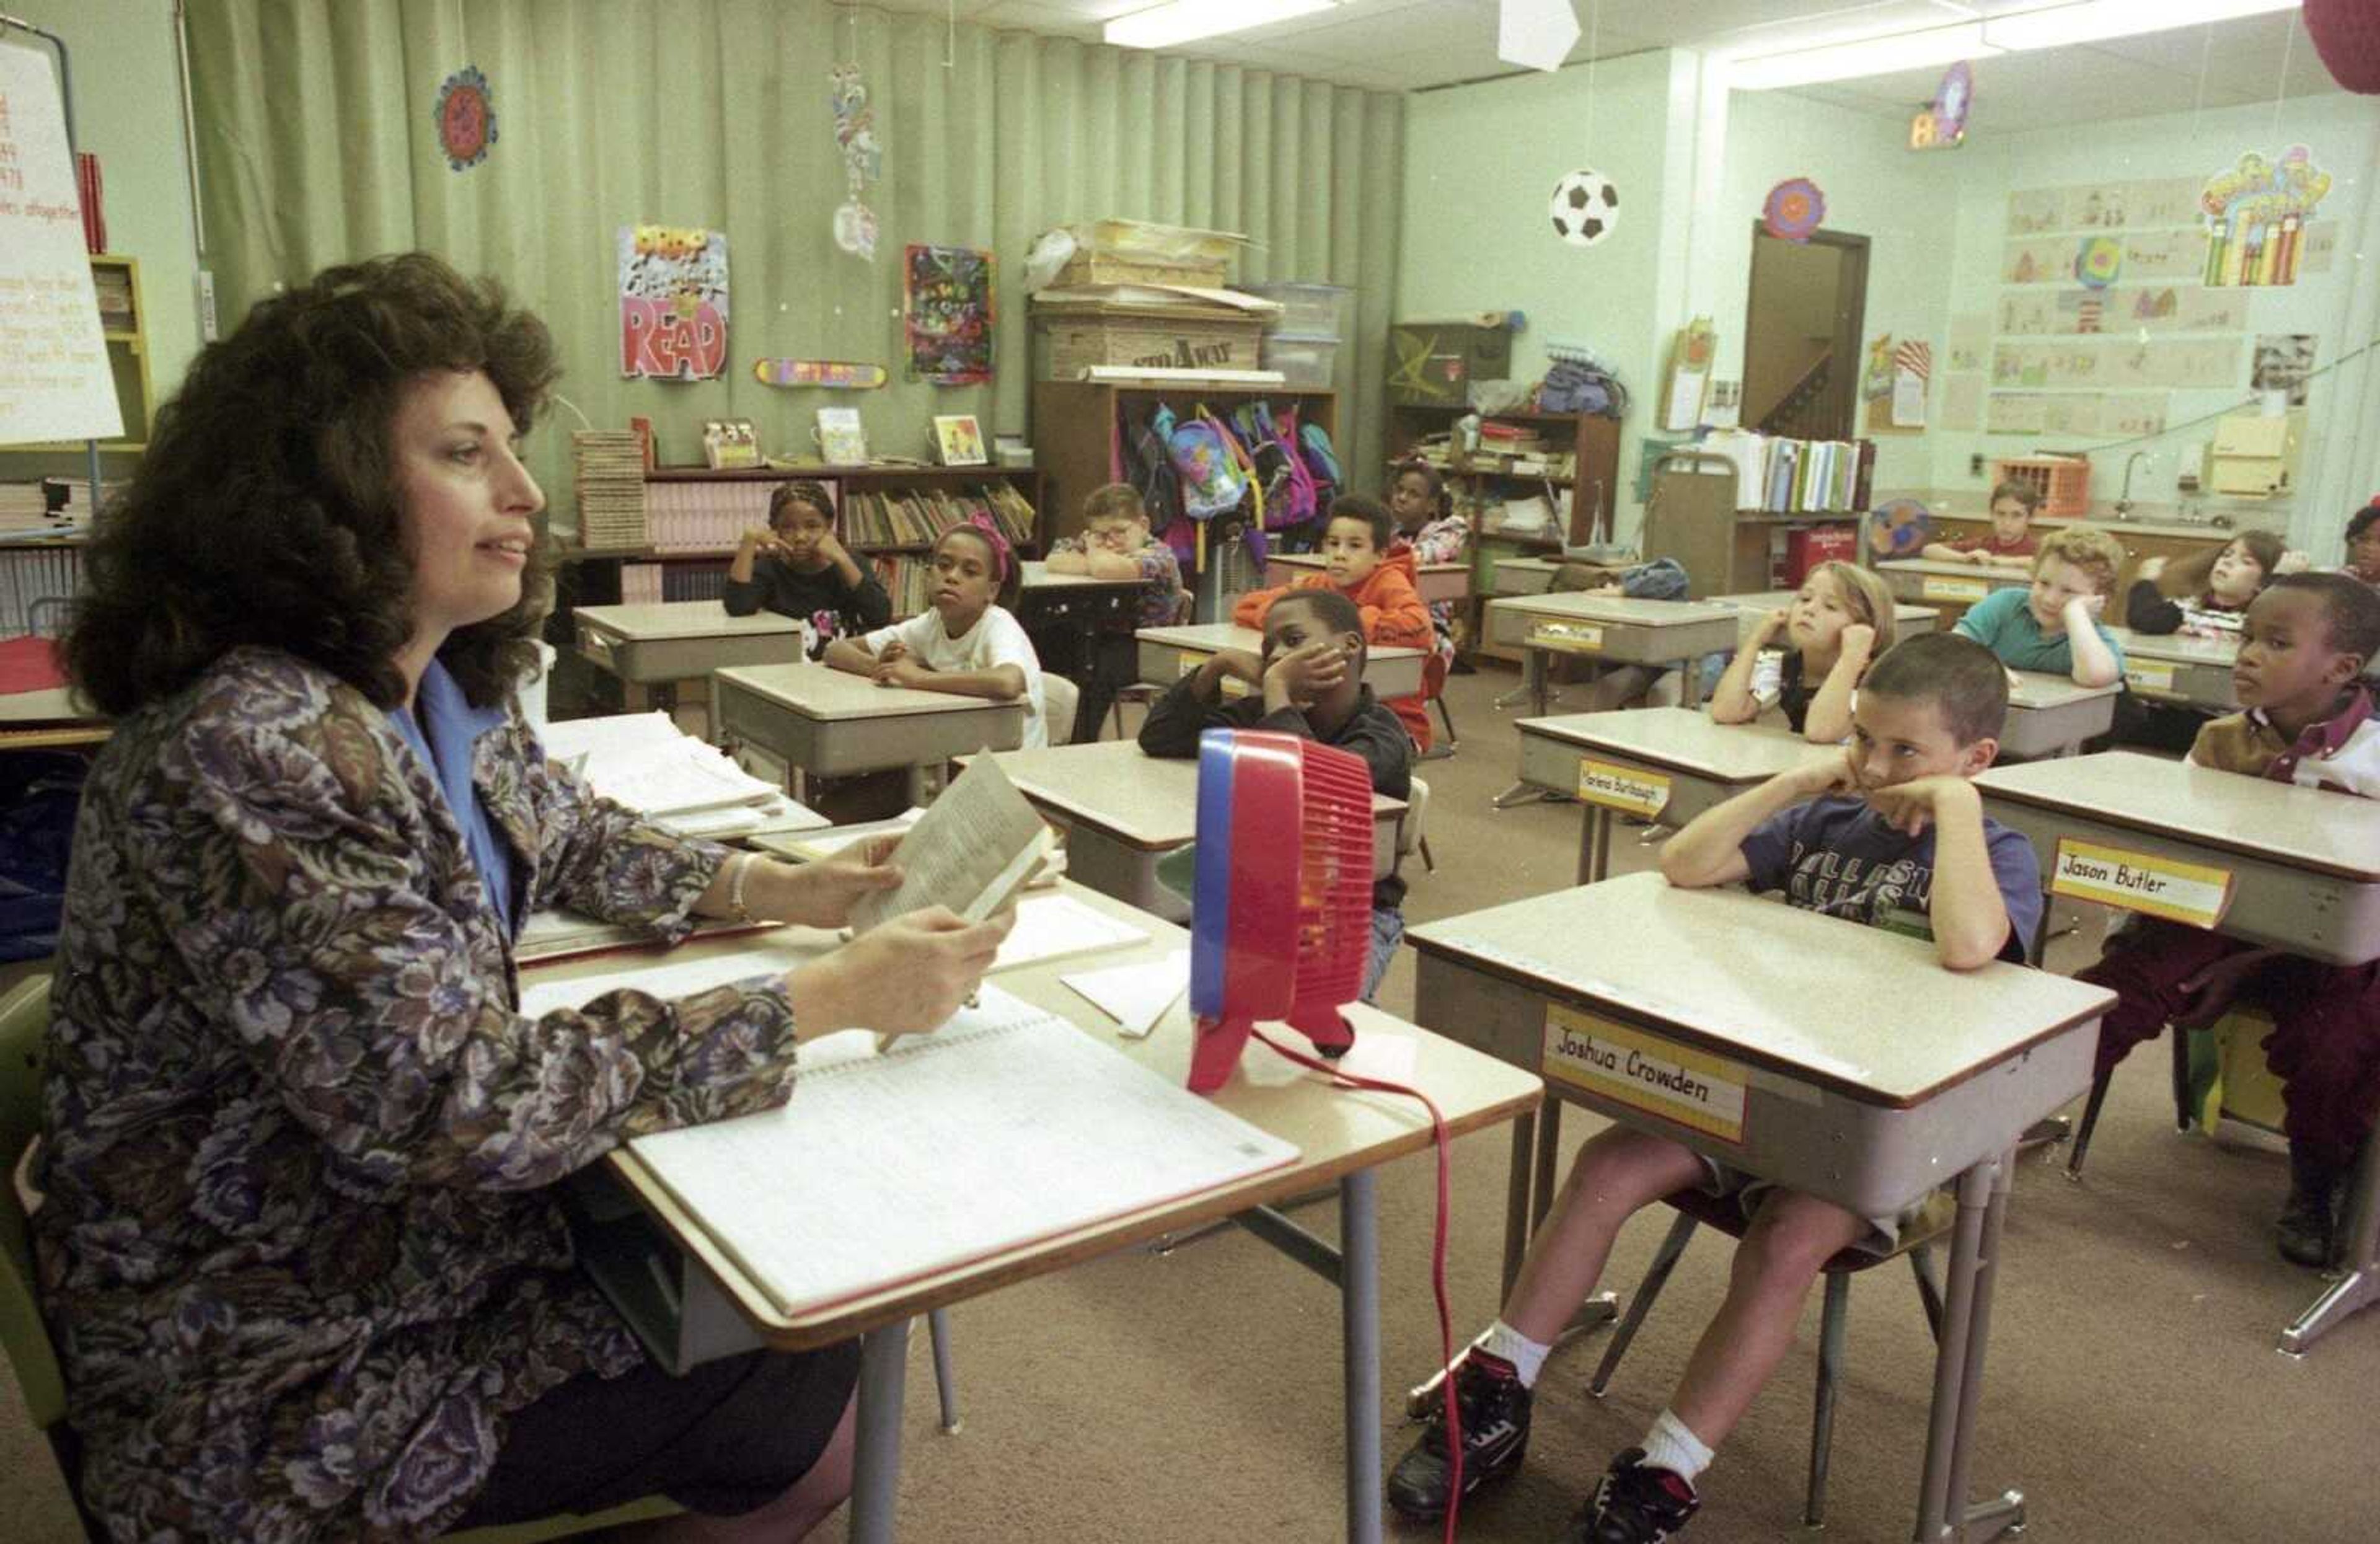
x=442, y=727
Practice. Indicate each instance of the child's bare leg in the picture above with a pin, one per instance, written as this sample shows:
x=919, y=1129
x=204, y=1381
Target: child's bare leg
x=1787, y=1243
x=1617, y=1173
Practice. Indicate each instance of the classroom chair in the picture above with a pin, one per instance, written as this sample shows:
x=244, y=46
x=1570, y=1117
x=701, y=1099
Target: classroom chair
x=1411, y=837
x=24, y=1023
x=2218, y=1073
x=1696, y=1209
x=1059, y=697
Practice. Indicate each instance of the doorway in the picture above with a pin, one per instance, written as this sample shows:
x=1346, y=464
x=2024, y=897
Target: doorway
x=1802, y=335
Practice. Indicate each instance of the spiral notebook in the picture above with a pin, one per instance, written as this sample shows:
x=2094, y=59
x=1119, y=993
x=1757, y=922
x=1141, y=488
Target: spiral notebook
x=1008, y=1128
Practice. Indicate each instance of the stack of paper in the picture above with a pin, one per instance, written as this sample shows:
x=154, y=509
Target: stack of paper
x=643, y=762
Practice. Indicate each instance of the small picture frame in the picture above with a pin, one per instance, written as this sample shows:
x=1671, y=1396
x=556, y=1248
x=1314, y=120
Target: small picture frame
x=959, y=440
x=729, y=442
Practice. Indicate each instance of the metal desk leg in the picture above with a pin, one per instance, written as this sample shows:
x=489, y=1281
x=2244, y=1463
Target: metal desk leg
x=1987, y=1520
x=1594, y=845
x=2361, y=1286
x=1533, y=669
x=1548, y=1149
x=1516, y=1200
x=876, y=1480
x=1359, y=1302
x=946, y=1388
x=1950, y=1353
x=1690, y=690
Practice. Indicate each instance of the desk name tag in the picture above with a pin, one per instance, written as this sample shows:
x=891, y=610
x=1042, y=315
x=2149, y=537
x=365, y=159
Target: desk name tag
x=1232, y=686
x=1622, y=788
x=2179, y=892
x=1937, y=588
x=2142, y=675
x=1577, y=638
x=1645, y=1072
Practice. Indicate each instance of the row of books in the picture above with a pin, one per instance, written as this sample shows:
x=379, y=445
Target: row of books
x=703, y=517
x=1780, y=476
x=917, y=516
x=31, y=574
x=611, y=478
x=51, y=506
x=648, y=584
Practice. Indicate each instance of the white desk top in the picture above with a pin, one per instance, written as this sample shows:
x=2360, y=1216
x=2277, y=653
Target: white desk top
x=2176, y=648
x=1317, y=562
x=1761, y=602
x=2036, y=688
x=674, y=619
x=1206, y=637
x=1145, y=801
x=1863, y=1012
x=1335, y=1132
x=49, y=705
x=1038, y=577
x=822, y=692
x=1617, y=610
x=1999, y=578
x=1684, y=740
x=2315, y=829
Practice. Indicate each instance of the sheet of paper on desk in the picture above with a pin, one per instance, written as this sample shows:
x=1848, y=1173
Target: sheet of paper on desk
x=779, y=814
x=972, y=851
x=554, y=935
x=1049, y=925
x=575, y=738
x=672, y=979
x=679, y=777
x=1136, y=996
x=1012, y=1126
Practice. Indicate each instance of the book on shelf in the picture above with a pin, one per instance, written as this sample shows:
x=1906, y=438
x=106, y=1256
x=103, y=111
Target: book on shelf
x=1780, y=476
x=840, y=438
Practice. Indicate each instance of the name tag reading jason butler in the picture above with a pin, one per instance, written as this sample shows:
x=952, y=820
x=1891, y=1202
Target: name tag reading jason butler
x=2189, y=893
x=1622, y=788
x=1576, y=637
x=1645, y=1072
x=1937, y=588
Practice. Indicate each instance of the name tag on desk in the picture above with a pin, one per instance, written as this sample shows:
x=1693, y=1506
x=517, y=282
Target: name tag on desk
x=1645, y=1072
x=1622, y=788
x=2145, y=675
x=1935, y=586
x=1576, y=637
x=2190, y=892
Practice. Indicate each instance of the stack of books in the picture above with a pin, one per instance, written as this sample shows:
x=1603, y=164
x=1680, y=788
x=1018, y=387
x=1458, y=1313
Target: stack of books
x=1779, y=476
x=114, y=287
x=917, y=516
x=611, y=479
x=704, y=516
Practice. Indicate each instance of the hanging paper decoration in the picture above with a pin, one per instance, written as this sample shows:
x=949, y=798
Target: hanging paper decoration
x=466, y=118
x=946, y=306
x=1913, y=367
x=1942, y=123
x=1536, y=34
x=863, y=160
x=1898, y=528
x=2346, y=36
x=2098, y=261
x=1876, y=380
x=1794, y=208
x=673, y=302
x=1585, y=208
x=2256, y=215
x=835, y=375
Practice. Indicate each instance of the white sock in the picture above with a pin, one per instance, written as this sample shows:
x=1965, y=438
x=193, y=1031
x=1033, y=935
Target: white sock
x=1527, y=1355
x=1669, y=1445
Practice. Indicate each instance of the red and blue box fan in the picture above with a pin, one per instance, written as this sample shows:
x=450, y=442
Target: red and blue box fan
x=1281, y=911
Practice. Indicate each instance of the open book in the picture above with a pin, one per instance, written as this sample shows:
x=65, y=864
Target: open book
x=972, y=851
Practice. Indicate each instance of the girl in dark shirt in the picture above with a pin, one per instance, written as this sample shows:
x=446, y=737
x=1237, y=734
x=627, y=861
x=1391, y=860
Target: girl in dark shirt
x=798, y=568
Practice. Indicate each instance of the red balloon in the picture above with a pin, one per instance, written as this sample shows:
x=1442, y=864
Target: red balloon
x=2347, y=34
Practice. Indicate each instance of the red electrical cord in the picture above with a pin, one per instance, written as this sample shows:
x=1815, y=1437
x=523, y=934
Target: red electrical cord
x=1437, y=1251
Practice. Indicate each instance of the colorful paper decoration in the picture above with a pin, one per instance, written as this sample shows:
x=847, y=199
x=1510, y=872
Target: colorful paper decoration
x=1794, y=210
x=2256, y=215
x=673, y=302
x=466, y=117
x=946, y=300
x=2098, y=261
x=1584, y=207
x=1898, y=528
x=2346, y=36
x=863, y=160
x=1942, y=123
x=835, y=375
x=1536, y=34
x=1877, y=380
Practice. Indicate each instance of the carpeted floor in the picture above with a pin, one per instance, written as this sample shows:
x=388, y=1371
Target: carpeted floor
x=2133, y=1389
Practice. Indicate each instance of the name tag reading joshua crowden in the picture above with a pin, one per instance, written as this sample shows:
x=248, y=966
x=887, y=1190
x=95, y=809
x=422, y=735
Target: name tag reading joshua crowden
x=2179, y=892
x=1645, y=1072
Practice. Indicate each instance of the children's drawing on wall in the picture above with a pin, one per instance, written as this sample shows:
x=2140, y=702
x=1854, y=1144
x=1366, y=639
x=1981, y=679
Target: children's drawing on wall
x=863, y=160
x=2256, y=215
x=2283, y=364
x=2098, y=261
x=465, y=118
x=1876, y=380
x=1794, y=209
x=946, y=304
x=1971, y=340
x=1585, y=208
x=1913, y=367
x=673, y=302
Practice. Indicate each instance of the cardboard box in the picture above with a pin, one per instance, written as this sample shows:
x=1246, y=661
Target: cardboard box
x=1066, y=339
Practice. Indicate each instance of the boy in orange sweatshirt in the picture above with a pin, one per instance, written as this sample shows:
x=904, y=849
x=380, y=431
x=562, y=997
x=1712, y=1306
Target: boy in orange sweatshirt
x=1356, y=548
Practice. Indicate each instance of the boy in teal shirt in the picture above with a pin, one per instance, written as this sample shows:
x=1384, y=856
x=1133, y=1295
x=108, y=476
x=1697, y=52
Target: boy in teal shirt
x=2053, y=624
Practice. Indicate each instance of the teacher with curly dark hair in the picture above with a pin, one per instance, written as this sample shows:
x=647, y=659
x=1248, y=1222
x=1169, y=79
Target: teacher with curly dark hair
x=297, y=1246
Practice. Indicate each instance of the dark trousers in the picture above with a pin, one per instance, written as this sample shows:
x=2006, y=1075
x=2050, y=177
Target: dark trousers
x=1114, y=662
x=2325, y=1041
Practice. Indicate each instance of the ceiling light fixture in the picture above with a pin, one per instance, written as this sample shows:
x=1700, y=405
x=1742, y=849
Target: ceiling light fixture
x=1845, y=61
x=1187, y=20
x=2096, y=20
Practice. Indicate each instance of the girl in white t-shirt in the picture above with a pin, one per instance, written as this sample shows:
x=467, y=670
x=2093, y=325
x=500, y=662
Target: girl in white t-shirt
x=967, y=643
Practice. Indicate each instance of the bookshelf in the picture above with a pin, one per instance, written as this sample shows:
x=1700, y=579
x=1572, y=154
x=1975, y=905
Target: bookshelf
x=124, y=318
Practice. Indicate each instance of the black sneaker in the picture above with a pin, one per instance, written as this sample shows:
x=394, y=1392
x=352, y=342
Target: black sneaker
x=2308, y=1229
x=1495, y=1410
x=1634, y=1504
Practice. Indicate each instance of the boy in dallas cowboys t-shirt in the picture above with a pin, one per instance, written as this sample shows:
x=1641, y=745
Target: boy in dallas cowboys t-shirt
x=1887, y=832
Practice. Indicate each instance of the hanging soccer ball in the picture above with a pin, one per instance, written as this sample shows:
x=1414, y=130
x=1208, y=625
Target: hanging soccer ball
x=1585, y=208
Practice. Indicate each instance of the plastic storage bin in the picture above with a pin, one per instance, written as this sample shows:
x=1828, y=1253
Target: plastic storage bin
x=1308, y=309
x=2063, y=482
x=1303, y=361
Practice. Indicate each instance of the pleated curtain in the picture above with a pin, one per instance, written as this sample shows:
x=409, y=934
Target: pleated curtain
x=317, y=145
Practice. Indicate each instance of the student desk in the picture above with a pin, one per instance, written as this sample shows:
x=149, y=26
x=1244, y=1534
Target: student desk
x=1525, y=576
x=817, y=719
x=1666, y=764
x=1123, y=809
x=2049, y=715
x=1339, y=1136
x=1951, y=588
x=1830, y=1058
x=1910, y=620
x=1610, y=629
x=2302, y=866
x=1168, y=653
x=49, y=719
x=2191, y=671
x=1437, y=581
x=678, y=640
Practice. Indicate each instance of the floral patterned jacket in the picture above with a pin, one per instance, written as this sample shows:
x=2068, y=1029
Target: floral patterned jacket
x=297, y=1251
